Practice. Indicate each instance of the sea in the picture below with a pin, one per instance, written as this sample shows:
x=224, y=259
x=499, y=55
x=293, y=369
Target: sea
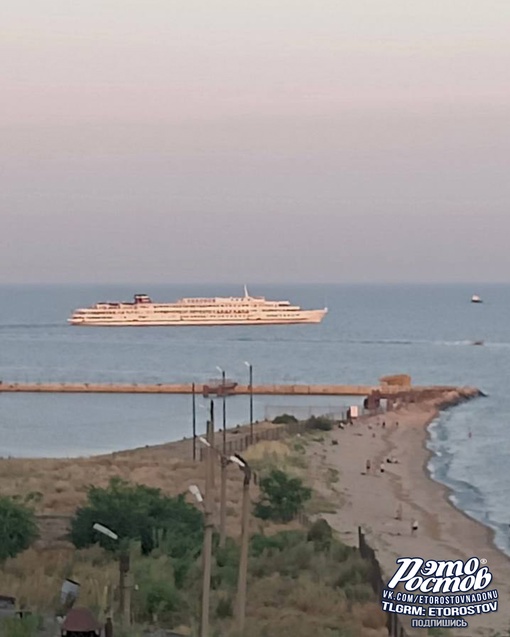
x=426, y=331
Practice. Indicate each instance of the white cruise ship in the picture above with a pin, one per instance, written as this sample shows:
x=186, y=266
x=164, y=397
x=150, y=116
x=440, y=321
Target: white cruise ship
x=246, y=310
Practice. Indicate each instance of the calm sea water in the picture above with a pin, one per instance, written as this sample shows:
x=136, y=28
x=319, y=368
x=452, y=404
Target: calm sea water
x=425, y=331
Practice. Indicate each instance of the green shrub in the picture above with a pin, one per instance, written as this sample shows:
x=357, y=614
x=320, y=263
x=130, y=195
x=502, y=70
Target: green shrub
x=321, y=534
x=224, y=607
x=361, y=592
x=299, y=446
x=355, y=570
x=27, y=626
x=319, y=422
x=141, y=513
x=340, y=552
x=226, y=567
x=284, y=419
x=157, y=593
x=281, y=498
x=162, y=597
x=278, y=542
x=18, y=528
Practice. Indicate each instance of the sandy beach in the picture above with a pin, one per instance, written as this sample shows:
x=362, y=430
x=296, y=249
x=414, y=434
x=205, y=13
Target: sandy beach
x=372, y=500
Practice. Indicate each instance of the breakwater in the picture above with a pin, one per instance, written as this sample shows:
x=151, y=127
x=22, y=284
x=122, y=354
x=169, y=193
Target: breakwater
x=188, y=388
x=231, y=390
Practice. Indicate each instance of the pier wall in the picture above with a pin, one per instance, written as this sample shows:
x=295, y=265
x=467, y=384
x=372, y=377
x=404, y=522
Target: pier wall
x=266, y=390
x=375, y=393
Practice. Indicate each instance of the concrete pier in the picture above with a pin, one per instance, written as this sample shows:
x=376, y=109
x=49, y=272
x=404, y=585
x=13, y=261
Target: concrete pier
x=187, y=388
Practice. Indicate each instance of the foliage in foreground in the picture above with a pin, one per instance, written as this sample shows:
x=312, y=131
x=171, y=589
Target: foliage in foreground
x=16, y=627
x=301, y=586
x=141, y=513
x=282, y=497
x=18, y=528
x=300, y=583
x=320, y=583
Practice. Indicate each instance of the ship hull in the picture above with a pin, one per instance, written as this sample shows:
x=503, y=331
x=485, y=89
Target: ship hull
x=198, y=323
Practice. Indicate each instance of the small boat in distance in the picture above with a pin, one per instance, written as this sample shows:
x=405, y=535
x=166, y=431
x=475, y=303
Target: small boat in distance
x=476, y=299
x=245, y=310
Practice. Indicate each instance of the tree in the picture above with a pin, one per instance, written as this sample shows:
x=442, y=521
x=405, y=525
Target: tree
x=282, y=497
x=138, y=512
x=18, y=527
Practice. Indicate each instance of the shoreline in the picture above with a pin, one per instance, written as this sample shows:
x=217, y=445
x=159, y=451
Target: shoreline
x=447, y=490
x=371, y=501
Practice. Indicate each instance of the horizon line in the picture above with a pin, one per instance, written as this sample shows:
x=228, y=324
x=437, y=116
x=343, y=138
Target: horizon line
x=241, y=285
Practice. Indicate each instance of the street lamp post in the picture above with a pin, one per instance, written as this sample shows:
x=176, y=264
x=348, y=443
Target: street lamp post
x=223, y=383
x=210, y=440
x=245, y=535
x=194, y=419
x=250, y=368
x=125, y=580
x=223, y=487
x=207, y=549
x=223, y=484
x=223, y=501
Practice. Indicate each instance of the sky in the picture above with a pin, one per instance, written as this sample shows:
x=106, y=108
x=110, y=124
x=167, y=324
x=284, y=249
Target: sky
x=280, y=141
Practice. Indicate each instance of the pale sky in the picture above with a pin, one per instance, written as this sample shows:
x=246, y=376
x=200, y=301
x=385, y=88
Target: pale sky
x=269, y=141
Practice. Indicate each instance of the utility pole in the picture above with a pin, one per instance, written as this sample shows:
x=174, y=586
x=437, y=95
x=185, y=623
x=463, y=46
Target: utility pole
x=224, y=462
x=223, y=393
x=210, y=440
x=223, y=465
x=245, y=536
x=125, y=582
x=223, y=500
x=208, y=533
x=194, y=418
x=250, y=368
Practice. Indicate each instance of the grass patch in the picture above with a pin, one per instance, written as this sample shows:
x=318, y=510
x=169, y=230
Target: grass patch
x=28, y=626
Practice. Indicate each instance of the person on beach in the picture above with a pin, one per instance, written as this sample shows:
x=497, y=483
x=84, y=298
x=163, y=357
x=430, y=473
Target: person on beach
x=368, y=466
x=384, y=424
x=414, y=527
x=382, y=467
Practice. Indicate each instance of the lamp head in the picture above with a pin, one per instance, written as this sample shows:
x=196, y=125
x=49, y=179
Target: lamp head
x=194, y=490
x=105, y=531
x=238, y=461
